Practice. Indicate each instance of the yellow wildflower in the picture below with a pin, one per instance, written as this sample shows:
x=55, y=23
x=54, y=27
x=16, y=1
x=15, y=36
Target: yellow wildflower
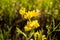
x=35, y=13
x=25, y=16
x=36, y=35
x=31, y=39
x=22, y=11
x=28, y=15
x=31, y=25
x=31, y=14
x=43, y=37
x=27, y=28
x=35, y=23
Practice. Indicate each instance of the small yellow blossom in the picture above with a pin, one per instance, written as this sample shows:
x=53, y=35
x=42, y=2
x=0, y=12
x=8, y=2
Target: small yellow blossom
x=31, y=25
x=31, y=14
x=27, y=28
x=35, y=13
x=35, y=23
x=43, y=37
x=28, y=15
x=31, y=39
x=22, y=11
x=36, y=35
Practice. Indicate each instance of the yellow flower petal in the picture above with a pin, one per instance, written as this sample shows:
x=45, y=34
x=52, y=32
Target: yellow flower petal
x=27, y=28
x=31, y=14
x=22, y=11
x=43, y=37
x=36, y=34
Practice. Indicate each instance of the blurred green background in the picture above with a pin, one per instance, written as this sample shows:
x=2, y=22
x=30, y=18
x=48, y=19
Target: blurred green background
x=10, y=17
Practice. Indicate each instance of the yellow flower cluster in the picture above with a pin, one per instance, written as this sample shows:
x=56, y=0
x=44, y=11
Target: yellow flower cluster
x=31, y=24
x=43, y=37
x=22, y=11
x=29, y=14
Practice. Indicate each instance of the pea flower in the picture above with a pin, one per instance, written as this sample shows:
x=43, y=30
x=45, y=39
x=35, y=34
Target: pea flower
x=31, y=25
x=43, y=37
x=31, y=14
x=22, y=11
x=36, y=34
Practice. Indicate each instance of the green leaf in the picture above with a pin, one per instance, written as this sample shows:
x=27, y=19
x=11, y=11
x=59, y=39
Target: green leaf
x=20, y=32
